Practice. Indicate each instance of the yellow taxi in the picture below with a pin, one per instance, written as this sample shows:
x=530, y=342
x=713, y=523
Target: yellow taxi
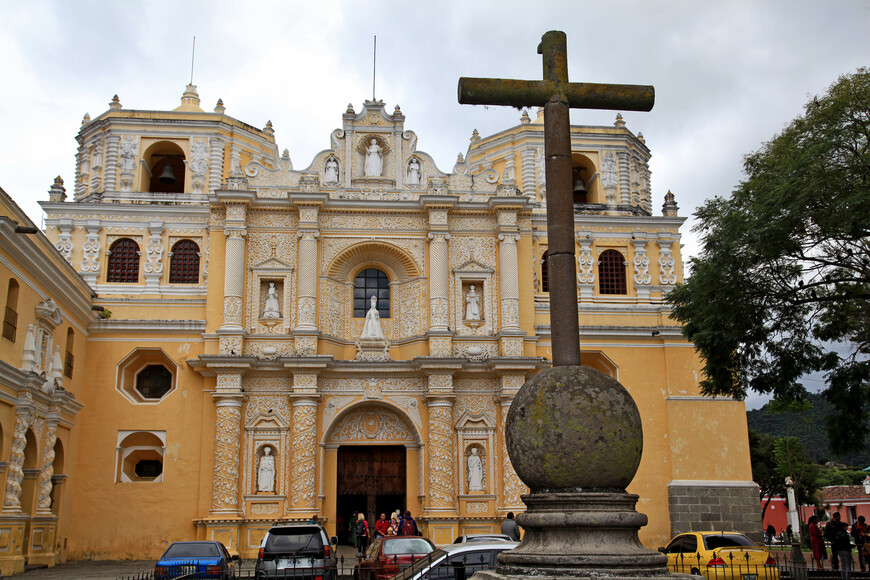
x=720, y=556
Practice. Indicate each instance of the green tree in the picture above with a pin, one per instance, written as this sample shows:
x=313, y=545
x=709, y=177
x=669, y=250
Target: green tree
x=792, y=460
x=764, y=469
x=781, y=287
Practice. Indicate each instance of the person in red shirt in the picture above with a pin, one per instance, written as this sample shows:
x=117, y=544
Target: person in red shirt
x=382, y=526
x=859, y=532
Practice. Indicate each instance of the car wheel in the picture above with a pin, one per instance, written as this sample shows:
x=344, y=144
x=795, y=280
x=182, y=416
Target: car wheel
x=695, y=572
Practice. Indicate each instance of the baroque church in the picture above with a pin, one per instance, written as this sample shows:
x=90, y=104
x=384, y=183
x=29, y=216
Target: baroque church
x=206, y=339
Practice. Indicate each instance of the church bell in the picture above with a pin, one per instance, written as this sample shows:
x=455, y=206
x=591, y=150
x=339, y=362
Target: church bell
x=579, y=187
x=167, y=176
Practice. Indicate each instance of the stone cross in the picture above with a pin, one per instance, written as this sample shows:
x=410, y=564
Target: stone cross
x=557, y=96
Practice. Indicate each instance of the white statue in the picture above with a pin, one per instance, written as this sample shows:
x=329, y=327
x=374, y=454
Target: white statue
x=374, y=163
x=271, y=309
x=475, y=471
x=609, y=175
x=372, y=328
x=128, y=155
x=472, y=305
x=331, y=170
x=413, y=172
x=266, y=471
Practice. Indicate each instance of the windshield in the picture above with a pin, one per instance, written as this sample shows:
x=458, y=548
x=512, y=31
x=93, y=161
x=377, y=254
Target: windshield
x=193, y=550
x=408, y=546
x=430, y=559
x=294, y=540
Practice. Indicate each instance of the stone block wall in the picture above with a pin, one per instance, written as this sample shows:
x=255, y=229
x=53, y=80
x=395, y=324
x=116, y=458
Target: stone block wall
x=715, y=506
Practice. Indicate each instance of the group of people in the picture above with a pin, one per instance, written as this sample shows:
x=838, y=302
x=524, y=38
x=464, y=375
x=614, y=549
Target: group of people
x=841, y=539
x=397, y=525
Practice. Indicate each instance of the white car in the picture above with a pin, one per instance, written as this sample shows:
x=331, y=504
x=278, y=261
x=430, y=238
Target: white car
x=456, y=561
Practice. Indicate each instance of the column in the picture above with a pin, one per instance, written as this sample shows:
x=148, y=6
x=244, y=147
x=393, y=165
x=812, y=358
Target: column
x=585, y=267
x=15, y=471
x=215, y=163
x=153, y=266
x=112, y=145
x=509, y=281
x=528, y=169
x=642, y=277
x=667, y=264
x=47, y=471
x=231, y=332
x=441, y=448
x=304, y=456
x=438, y=282
x=512, y=487
x=306, y=280
x=91, y=253
x=624, y=178
x=228, y=428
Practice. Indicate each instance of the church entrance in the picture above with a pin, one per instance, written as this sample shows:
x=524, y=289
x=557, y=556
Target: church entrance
x=371, y=479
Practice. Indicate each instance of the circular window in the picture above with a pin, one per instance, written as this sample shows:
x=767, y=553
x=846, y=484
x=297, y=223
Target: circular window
x=153, y=381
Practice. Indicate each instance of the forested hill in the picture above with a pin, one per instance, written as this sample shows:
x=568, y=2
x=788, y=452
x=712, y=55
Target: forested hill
x=809, y=427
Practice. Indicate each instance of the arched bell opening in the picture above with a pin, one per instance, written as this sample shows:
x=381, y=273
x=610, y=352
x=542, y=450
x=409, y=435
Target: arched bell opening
x=584, y=180
x=166, y=164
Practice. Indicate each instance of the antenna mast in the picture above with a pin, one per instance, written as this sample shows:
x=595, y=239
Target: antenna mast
x=374, y=66
x=192, y=55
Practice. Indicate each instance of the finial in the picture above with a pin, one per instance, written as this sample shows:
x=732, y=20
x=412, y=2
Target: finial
x=86, y=119
x=349, y=110
x=286, y=153
x=398, y=111
x=475, y=136
x=115, y=104
x=539, y=119
x=525, y=119
x=619, y=122
x=669, y=208
x=460, y=158
x=57, y=192
x=219, y=107
x=640, y=137
x=189, y=100
x=269, y=130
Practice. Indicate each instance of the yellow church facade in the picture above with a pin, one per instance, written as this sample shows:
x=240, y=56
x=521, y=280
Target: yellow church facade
x=258, y=342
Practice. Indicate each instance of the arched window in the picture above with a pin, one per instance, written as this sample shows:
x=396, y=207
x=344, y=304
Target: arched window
x=123, y=261
x=545, y=272
x=140, y=456
x=184, y=263
x=371, y=282
x=611, y=273
x=10, y=318
x=69, y=360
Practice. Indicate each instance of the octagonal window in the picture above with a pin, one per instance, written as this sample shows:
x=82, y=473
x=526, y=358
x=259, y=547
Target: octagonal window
x=153, y=382
x=147, y=375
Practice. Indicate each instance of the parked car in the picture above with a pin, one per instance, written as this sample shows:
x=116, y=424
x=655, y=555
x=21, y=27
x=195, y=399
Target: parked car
x=720, y=556
x=391, y=554
x=483, y=538
x=196, y=560
x=456, y=561
x=296, y=551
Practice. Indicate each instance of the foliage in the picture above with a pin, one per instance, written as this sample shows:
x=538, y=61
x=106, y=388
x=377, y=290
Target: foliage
x=793, y=461
x=830, y=476
x=764, y=470
x=808, y=425
x=782, y=285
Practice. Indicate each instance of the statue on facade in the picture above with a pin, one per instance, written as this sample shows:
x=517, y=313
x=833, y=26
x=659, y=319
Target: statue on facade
x=372, y=328
x=272, y=309
x=413, y=172
x=374, y=162
x=472, y=305
x=475, y=471
x=331, y=173
x=266, y=471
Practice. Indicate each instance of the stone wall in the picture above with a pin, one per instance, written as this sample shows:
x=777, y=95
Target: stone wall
x=715, y=506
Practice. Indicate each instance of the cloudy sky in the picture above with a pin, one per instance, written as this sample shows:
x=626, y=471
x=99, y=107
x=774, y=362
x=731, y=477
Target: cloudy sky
x=728, y=74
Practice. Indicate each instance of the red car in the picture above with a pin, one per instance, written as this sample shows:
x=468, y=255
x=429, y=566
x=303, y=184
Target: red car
x=388, y=555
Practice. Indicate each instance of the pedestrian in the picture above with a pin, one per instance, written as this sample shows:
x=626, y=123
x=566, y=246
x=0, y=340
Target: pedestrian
x=351, y=530
x=837, y=533
x=817, y=542
x=510, y=528
x=859, y=533
x=771, y=532
x=789, y=534
x=408, y=527
x=394, y=524
x=362, y=535
x=381, y=526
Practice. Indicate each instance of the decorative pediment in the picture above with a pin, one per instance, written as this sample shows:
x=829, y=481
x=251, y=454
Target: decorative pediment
x=480, y=420
x=272, y=264
x=269, y=421
x=473, y=267
x=48, y=314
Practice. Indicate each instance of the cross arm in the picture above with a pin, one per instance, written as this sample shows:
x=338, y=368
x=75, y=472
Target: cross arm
x=517, y=93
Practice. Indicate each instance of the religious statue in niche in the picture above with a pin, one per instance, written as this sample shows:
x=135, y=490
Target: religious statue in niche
x=372, y=328
x=374, y=161
x=331, y=172
x=474, y=473
x=266, y=471
x=472, y=305
x=413, y=172
x=272, y=309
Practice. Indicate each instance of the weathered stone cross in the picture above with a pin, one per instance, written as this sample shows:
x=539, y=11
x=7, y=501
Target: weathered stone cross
x=557, y=96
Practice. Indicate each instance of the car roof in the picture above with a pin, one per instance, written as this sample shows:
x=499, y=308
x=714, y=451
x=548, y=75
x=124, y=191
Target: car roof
x=451, y=549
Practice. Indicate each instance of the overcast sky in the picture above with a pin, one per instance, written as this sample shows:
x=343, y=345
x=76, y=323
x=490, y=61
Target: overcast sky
x=728, y=75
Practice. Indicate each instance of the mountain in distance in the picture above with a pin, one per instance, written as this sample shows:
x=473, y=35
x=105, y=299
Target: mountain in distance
x=808, y=426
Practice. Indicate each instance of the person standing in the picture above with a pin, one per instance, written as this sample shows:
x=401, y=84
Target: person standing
x=859, y=533
x=362, y=535
x=510, y=528
x=837, y=533
x=382, y=526
x=408, y=527
x=817, y=541
x=770, y=532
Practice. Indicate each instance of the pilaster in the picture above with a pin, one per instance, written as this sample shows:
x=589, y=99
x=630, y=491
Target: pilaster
x=641, y=276
x=303, y=488
x=153, y=266
x=441, y=448
x=306, y=330
x=228, y=428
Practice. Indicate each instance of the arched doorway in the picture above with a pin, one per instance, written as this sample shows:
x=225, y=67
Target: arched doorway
x=372, y=458
x=371, y=479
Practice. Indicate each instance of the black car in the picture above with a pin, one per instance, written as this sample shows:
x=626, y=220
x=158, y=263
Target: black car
x=296, y=551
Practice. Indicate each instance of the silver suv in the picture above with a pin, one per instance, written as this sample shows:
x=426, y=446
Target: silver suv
x=300, y=551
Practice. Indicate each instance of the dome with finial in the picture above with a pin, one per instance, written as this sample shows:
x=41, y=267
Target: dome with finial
x=189, y=100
